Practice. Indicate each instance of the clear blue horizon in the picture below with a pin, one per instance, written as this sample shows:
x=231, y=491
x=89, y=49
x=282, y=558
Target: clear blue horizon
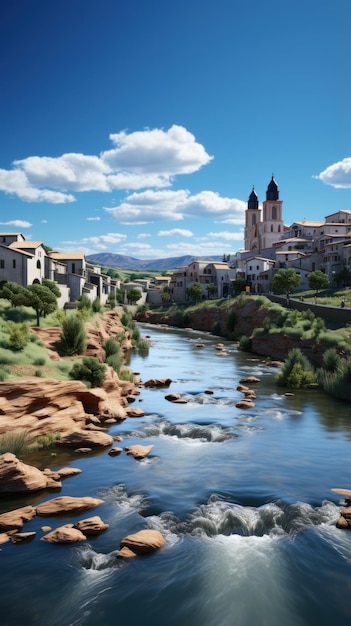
x=140, y=128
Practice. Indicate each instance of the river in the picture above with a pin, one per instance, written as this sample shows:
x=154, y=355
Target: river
x=243, y=499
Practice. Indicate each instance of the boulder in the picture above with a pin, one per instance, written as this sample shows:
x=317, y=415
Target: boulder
x=67, y=504
x=91, y=526
x=64, y=534
x=14, y=520
x=175, y=397
x=65, y=472
x=142, y=542
x=158, y=382
x=138, y=452
x=23, y=537
x=85, y=438
x=115, y=451
x=245, y=404
x=17, y=477
x=249, y=380
x=135, y=412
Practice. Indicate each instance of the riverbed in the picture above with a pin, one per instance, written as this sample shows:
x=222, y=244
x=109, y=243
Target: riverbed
x=242, y=497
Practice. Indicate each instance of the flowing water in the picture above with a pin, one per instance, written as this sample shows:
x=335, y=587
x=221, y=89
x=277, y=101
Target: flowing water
x=243, y=499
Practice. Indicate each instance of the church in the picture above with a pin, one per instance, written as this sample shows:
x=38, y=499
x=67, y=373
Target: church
x=263, y=227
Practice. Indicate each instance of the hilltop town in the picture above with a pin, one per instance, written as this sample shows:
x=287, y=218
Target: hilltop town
x=269, y=245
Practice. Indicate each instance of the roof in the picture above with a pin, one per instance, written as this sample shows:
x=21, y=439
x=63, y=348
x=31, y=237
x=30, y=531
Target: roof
x=28, y=254
x=26, y=244
x=66, y=255
x=308, y=223
x=290, y=252
x=11, y=235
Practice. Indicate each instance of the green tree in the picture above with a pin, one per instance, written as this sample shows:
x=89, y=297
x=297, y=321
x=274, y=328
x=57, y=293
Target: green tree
x=15, y=293
x=239, y=284
x=89, y=371
x=133, y=295
x=52, y=286
x=42, y=300
x=194, y=291
x=212, y=290
x=285, y=280
x=318, y=280
x=165, y=296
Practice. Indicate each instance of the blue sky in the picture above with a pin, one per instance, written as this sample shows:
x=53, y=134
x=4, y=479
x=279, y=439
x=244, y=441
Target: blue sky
x=139, y=127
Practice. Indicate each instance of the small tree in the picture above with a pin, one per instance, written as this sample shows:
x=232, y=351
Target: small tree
x=318, y=280
x=52, y=286
x=212, y=290
x=14, y=293
x=194, y=291
x=239, y=284
x=42, y=299
x=285, y=280
x=133, y=295
x=18, y=335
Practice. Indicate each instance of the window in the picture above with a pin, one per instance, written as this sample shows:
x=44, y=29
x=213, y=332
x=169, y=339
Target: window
x=13, y=263
x=38, y=265
x=73, y=268
x=274, y=212
x=253, y=221
x=2, y=264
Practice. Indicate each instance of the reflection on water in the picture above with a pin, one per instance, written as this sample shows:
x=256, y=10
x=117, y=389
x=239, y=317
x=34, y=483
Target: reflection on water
x=243, y=499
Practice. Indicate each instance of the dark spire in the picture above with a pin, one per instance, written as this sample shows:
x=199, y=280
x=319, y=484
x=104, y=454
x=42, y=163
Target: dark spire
x=272, y=192
x=253, y=200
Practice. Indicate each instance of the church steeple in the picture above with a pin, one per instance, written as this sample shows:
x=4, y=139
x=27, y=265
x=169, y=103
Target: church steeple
x=253, y=200
x=272, y=192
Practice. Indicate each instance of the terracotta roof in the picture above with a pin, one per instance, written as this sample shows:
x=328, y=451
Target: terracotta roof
x=66, y=255
x=26, y=244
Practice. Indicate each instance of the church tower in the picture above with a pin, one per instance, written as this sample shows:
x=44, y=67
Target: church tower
x=252, y=219
x=272, y=226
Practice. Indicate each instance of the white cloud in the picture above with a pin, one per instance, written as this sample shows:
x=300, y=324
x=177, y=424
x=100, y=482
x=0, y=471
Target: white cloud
x=17, y=224
x=182, y=232
x=226, y=236
x=148, y=158
x=93, y=219
x=337, y=175
x=98, y=241
x=167, y=205
x=143, y=235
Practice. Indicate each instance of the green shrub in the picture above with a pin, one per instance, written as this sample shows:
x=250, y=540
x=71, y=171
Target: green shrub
x=39, y=361
x=115, y=360
x=245, y=343
x=135, y=335
x=44, y=442
x=18, y=335
x=143, y=346
x=96, y=305
x=89, y=371
x=142, y=308
x=111, y=346
x=332, y=361
x=126, y=374
x=296, y=372
x=3, y=375
x=84, y=302
x=73, y=336
x=338, y=383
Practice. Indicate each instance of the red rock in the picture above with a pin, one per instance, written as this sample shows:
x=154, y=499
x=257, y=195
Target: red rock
x=64, y=534
x=67, y=504
x=158, y=382
x=138, y=452
x=22, y=537
x=85, y=438
x=245, y=404
x=143, y=542
x=91, y=526
x=14, y=520
x=135, y=412
x=17, y=477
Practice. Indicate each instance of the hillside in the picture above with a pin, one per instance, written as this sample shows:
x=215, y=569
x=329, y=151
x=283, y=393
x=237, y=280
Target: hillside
x=120, y=261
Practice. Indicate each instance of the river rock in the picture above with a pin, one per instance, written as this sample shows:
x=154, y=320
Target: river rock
x=23, y=537
x=245, y=404
x=14, y=520
x=158, y=382
x=66, y=472
x=17, y=477
x=115, y=451
x=64, y=534
x=85, y=438
x=249, y=380
x=138, y=452
x=176, y=398
x=135, y=412
x=91, y=526
x=67, y=504
x=142, y=542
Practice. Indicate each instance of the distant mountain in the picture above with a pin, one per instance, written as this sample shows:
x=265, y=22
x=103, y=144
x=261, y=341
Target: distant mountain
x=122, y=262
